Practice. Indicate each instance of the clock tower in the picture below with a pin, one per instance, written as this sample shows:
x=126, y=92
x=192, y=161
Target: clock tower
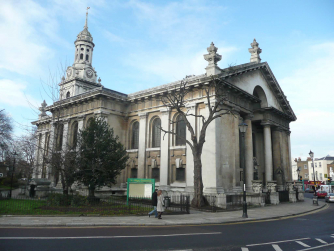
x=81, y=76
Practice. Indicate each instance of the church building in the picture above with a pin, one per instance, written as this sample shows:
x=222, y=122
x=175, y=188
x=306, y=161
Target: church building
x=252, y=92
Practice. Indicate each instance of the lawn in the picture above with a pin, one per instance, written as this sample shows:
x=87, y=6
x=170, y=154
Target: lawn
x=40, y=207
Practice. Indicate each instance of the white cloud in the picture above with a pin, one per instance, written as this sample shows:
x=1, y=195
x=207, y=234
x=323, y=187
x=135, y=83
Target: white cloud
x=13, y=94
x=310, y=89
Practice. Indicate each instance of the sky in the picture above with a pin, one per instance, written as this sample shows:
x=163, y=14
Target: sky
x=141, y=44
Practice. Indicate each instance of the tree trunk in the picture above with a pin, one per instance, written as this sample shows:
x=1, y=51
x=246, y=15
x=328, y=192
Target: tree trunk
x=198, y=200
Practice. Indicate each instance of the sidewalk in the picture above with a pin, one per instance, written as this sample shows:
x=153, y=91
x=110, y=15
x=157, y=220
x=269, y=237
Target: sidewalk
x=194, y=218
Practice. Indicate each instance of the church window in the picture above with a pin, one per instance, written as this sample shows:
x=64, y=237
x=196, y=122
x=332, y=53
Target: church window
x=59, y=137
x=135, y=135
x=180, y=174
x=88, y=50
x=180, y=138
x=87, y=57
x=68, y=94
x=82, y=49
x=156, y=173
x=81, y=56
x=156, y=133
x=134, y=172
x=74, y=134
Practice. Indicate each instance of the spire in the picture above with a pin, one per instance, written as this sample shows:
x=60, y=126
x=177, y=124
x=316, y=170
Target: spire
x=86, y=27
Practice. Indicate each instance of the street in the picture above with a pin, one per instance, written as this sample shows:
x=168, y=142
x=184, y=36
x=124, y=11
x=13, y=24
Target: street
x=305, y=232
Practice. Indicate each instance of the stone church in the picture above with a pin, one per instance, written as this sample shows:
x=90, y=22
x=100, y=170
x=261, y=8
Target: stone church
x=252, y=92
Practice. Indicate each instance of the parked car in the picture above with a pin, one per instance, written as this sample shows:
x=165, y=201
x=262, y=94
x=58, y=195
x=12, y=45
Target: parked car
x=309, y=190
x=321, y=194
x=329, y=197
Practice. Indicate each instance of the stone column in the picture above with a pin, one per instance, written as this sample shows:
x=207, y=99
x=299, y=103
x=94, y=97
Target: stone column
x=37, y=153
x=289, y=155
x=268, y=156
x=277, y=156
x=190, y=160
x=80, y=122
x=249, y=152
x=164, y=149
x=142, y=145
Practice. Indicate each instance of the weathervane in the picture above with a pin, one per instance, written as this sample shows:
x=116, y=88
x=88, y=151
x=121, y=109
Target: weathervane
x=86, y=17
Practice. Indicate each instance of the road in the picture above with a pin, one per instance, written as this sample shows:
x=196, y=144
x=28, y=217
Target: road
x=306, y=232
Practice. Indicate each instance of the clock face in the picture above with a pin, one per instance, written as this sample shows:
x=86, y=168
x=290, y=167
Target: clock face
x=89, y=73
x=69, y=72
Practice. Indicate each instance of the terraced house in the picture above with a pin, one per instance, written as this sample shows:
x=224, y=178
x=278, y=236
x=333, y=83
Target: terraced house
x=252, y=92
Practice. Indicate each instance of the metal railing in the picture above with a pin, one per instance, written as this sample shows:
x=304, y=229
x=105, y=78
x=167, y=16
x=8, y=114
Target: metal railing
x=55, y=203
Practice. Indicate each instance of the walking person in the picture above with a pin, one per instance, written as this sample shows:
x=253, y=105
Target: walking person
x=160, y=205
x=154, y=204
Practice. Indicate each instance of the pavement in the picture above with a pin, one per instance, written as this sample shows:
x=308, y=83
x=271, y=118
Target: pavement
x=194, y=218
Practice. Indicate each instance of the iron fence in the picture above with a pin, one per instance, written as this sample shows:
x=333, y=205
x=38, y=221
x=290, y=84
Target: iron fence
x=55, y=203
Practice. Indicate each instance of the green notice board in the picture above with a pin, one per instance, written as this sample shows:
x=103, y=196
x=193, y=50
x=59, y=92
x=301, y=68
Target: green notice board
x=142, y=188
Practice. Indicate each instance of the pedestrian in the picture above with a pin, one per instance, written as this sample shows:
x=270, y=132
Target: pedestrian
x=154, y=204
x=160, y=205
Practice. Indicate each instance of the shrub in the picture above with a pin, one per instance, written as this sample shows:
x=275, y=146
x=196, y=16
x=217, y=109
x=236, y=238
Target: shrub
x=78, y=200
x=57, y=199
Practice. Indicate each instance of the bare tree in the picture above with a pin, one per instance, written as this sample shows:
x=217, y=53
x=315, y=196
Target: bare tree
x=6, y=129
x=176, y=99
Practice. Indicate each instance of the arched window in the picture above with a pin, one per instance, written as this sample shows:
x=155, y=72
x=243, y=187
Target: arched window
x=59, y=137
x=81, y=56
x=87, y=57
x=135, y=135
x=156, y=132
x=180, y=138
x=68, y=94
x=74, y=134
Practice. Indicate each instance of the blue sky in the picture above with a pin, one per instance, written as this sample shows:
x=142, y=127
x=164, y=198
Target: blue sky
x=142, y=44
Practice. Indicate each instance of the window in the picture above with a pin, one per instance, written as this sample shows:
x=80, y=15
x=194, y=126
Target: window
x=81, y=56
x=316, y=175
x=180, y=138
x=156, y=173
x=135, y=135
x=305, y=166
x=315, y=164
x=87, y=57
x=319, y=164
x=82, y=49
x=306, y=175
x=88, y=50
x=134, y=172
x=68, y=94
x=74, y=134
x=180, y=174
x=320, y=176
x=156, y=133
x=59, y=137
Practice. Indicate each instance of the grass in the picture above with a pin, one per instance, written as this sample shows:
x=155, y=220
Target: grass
x=40, y=207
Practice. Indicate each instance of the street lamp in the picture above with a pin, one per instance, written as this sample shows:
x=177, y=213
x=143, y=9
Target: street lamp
x=298, y=171
x=11, y=180
x=312, y=155
x=243, y=128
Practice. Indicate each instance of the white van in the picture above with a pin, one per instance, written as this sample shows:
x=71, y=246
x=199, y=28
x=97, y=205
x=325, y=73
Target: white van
x=327, y=188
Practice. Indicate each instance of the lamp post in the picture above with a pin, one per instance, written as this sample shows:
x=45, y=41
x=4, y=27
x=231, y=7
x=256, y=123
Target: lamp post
x=243, y=128
x=312, y=155
x=11, y=180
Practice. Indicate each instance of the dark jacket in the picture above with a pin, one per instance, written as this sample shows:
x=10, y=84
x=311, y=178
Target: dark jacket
x=154, y=199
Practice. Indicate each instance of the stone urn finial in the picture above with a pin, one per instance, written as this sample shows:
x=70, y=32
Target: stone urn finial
x=213, y=57
x=42, y=109
x=255, y=52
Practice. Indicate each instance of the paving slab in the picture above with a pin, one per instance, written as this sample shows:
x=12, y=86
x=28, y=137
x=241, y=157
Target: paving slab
x=194, y=218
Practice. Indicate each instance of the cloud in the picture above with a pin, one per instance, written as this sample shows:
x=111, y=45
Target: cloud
x=310, y=89
x=24, y=25
x=13, y=94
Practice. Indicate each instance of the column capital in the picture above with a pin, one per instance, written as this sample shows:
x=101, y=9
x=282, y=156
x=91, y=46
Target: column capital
x=266, y=123
x=191, y=106
x=65, y=121
x=277, y=129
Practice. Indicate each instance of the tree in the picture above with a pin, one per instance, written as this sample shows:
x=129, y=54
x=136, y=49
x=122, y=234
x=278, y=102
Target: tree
x=6, y=129
x=176, y=99
x=101, y=156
